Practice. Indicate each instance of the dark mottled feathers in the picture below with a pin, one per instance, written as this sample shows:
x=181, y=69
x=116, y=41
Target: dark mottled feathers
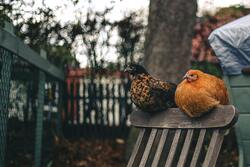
x=150, y=94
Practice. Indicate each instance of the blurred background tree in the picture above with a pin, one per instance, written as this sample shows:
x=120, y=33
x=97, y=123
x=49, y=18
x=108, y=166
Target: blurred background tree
x=130, y=30
x=39, y=30
x=93, y=35
x=169, y=37
x=91, y=31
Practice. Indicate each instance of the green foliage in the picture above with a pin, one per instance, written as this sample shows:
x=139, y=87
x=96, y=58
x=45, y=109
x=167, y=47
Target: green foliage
x=207, y=67
x=130, y=30
x=4, y=9
x=91, y=32
x=42, y=32
x=61, y=55
x=94, y=33
x=233, y=11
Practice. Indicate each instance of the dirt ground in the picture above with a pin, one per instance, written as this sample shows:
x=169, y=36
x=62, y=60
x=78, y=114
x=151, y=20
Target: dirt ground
x=89, y=153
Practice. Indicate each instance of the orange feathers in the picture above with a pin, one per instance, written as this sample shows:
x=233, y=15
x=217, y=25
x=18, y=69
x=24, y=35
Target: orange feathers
x=200, y=92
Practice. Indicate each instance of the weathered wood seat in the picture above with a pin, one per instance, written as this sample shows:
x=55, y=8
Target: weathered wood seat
x=170, y=138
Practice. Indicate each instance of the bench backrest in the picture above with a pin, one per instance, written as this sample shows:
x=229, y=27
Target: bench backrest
x=170, y=138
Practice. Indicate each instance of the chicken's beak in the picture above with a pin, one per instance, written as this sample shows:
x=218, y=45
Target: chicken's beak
x=128, y=69
x=185, y=76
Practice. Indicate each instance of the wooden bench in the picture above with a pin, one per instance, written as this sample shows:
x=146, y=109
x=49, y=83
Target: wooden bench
x=170, y=138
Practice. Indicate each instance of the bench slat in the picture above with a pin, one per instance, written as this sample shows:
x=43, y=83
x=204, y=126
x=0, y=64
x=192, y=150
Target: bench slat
x=148, y=148
x=160, y=147
x=221, y=116
x=198, y=148
x=173, y=148
x=136, y=148
x=185, y=149
x=214, y=148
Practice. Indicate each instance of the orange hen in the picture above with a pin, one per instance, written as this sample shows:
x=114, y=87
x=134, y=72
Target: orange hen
x=199, y=92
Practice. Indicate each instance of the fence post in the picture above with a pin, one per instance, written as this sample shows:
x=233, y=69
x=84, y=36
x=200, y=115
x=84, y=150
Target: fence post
x=5, y=77
x=39, y=114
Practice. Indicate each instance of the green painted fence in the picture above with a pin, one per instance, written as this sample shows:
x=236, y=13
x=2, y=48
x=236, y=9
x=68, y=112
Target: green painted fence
x=21, y=68
x=239, y=90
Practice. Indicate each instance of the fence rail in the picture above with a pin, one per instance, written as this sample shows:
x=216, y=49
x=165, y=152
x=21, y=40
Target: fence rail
x=16, y=46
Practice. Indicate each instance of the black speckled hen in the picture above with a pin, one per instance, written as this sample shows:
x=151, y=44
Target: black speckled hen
x=148, y=93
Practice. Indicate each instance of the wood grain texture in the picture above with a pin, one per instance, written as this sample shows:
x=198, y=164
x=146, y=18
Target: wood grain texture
x=132, y=158
x=148, y=148
x=173, y=148
x=214, y=148
x=221, y=116
x=160, y=147
x=198, y=148
x=185, y=149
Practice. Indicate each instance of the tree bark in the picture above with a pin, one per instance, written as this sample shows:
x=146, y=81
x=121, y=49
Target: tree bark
x=169, y=38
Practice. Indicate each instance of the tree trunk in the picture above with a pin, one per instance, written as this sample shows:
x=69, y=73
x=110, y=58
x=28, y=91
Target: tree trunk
x=169, y=38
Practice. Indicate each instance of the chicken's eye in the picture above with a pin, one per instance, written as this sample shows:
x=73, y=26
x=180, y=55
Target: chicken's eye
x=192, y=75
